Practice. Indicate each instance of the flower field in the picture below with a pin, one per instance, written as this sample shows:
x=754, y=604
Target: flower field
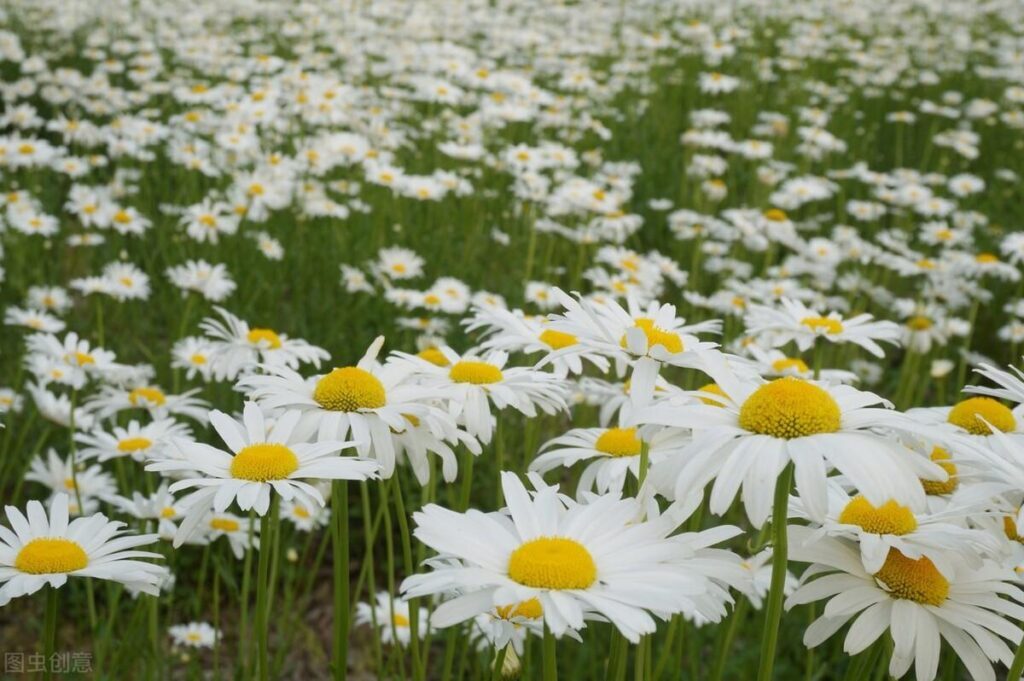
x=499, y=339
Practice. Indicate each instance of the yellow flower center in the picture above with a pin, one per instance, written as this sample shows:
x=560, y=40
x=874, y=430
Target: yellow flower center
x=942, y=458
x=552, y=563
x=714, y=389
x=889, y=518
x=1010, y=528
x=198, y=358
x=775, y=215
x=143, y=396
x=167, y=512
x=556, y=340
x=913, y=580
x=134, y=444
x=434, y=356
x=968, y=415
x=477, y=373
x=264, y=337
x=657, y=336
x=986, y=258
x=619, y=442
x=301, y=512
x=790, y=364
x=823, y=324
x=263, y=462
x=224, y=524
x=122, y=217
x=401, y=620
x=530, y=609
x=349, y=389
x=80, y=358
x=919, y=323
x=788, y=408
x=193, y=636
x=49, y=555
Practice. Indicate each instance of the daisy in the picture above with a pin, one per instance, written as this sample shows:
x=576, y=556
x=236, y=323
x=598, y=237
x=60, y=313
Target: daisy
x=747, y=430
x=368, y=401
x=471, y=385
x=239, y=348
x=262, y=459
x=112, y=400
x=305, y=517
x=194, y=635
x=614, y=453
x=45, y=548
x=87, y=486
x=75, y=357
x=212, y=282
x=799, y=323
x=135, y=440
x=775, y=363
x=647, y=337
x=971, y=609
x=513, y=331
x=159, y=507
x=578, y=561
x=33, y=319
x=940, y=536
x=391, y=616
x=756, y=588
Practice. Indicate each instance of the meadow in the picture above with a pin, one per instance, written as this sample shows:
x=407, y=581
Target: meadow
x=496, y=339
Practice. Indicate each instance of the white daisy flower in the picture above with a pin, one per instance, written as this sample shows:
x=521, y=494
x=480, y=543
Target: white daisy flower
x=579, y=561
x=920, y=607
x=748, y=430
x=262, y=460
x=45, y=548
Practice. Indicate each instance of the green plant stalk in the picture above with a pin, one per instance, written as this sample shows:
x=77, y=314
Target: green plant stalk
x=339, y=526
x=773, y=608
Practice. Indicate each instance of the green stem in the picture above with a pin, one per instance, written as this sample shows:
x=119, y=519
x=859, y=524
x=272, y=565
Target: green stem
x=414, y=614
x=550, y=661
x=267, y=530
x=50, y=630
x=1017, y=667
x=773, y=609
x=499, y=662
x=339, y=525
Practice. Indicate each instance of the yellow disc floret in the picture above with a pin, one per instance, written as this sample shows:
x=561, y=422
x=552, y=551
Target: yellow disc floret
x=552, y=563
x=530, y=609
x=477, y=373
x=657, y=336
x=349, y=389
x=825, y=325
x=134, y=444
x=556, y=340
x=224, y=525
x=618, y=442
x=714, y=389
x=913, y=580
x=434, y=356
x=937, y=487
x=263, y=462
x=966, y=415
x=889, y=518
x=49, y=555
x=139, y=397
x=789, y=364
x=789, y=408
x=264, y=338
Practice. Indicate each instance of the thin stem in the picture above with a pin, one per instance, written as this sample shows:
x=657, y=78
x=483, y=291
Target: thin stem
x=267, y=530
x=550, y=661
x=499, y=662
x=403, y=529
x=1017, y=667
x=50, y=630
x=773, y=609
x=339, y=525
